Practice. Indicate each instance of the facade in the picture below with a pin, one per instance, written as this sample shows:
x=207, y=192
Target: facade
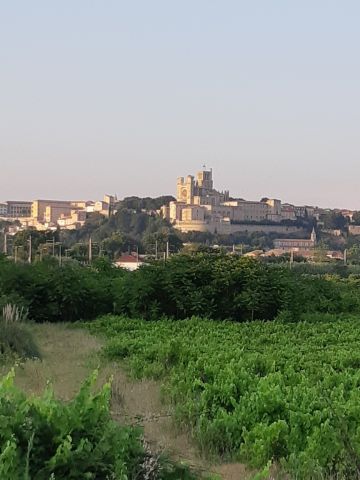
x=354, y=229
x=3, y=209
x=288, y=212
x=200, y=207
x=75, y=220
x=51, y=214
x=65, y=213
x=296, y=244
x=102, y=207
x=49, y=211
x=54, y=212
x=200, y=191
x=16, y=209
x=110, y=199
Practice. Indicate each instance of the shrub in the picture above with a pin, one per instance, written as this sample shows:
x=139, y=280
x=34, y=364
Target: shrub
x=43, y=438
x=15, y=336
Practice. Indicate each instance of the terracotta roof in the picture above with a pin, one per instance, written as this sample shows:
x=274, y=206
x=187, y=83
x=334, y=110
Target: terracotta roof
x=128, y=259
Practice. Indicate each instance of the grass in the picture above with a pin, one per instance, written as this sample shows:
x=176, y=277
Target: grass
x=16, y=338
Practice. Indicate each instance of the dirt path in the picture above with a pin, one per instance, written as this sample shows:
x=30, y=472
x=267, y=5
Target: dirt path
x=69, y=356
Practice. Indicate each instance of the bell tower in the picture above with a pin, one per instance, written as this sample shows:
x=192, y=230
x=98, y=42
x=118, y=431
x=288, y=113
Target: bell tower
x=185, y=190
x=313, y=236
x=204, y=179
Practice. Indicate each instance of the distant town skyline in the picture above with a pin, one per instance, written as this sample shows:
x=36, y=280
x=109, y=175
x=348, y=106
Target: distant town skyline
x=124, y=97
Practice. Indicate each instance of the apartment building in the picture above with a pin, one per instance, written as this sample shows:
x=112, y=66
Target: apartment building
x=3, y=209
x=17, y=209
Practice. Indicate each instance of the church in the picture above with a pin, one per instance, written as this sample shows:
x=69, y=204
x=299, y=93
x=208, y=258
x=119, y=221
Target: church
x=296, y=244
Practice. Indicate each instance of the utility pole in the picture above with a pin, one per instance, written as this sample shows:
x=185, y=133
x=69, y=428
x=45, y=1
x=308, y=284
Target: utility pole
x=30, y=249
x=167, y=249
x=16, y=251
x=53, y=246
x=60, y=258
x=5, y=243
x=345, y=256
x=90, y=250
x=291, y=258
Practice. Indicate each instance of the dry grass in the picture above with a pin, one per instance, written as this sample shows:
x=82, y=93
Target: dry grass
x=68, y=356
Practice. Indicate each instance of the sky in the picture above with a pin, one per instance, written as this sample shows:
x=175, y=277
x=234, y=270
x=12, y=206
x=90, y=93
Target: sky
x=123, y=97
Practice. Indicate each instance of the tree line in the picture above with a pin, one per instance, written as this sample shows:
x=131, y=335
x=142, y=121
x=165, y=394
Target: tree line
x=218, y=286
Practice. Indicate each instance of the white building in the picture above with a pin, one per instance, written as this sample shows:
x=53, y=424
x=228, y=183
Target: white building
x=129, y=262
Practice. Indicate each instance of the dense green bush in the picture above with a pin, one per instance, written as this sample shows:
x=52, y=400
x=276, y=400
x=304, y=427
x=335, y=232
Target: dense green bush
x=44, y=439
x=218, y=286
x=41, y=438
x=214, y=286
x=226, y=287
x=53, y=293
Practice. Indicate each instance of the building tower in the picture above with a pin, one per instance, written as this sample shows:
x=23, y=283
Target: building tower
x=185, y=190
x=313, y=236
x=204, y=180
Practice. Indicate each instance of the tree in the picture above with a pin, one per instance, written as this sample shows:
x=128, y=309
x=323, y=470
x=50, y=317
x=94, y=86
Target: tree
x=356, y=218
x=320, y=253
x=353, y=254
x=114, y=245
x=334, y=220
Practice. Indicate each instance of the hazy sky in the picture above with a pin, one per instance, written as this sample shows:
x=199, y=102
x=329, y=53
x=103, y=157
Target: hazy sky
x=125, y=96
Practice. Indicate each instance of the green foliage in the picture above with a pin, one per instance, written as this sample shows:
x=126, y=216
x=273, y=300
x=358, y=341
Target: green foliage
x=134, y=225
x=256, y=392
x=213, y=285
x=356, y=218
x=43, y=438
x=334, y=220
x=53, y=293
x=138, y=204
x=226, y=287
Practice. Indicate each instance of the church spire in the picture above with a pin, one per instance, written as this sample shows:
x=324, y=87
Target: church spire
x=313, y=235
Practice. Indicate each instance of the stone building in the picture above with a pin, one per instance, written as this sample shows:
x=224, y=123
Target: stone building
x=17, y=209
x=49, y=211
x=296, y=244
x=200, y=207
x=200, y=191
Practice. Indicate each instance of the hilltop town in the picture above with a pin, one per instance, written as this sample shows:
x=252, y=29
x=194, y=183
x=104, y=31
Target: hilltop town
x=50, y=214
x=200, y=209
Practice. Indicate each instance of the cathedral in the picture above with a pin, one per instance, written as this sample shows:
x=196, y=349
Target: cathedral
x=199, y=191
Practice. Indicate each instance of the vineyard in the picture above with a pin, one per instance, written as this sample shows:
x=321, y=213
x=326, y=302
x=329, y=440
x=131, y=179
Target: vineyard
x=257, y=392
